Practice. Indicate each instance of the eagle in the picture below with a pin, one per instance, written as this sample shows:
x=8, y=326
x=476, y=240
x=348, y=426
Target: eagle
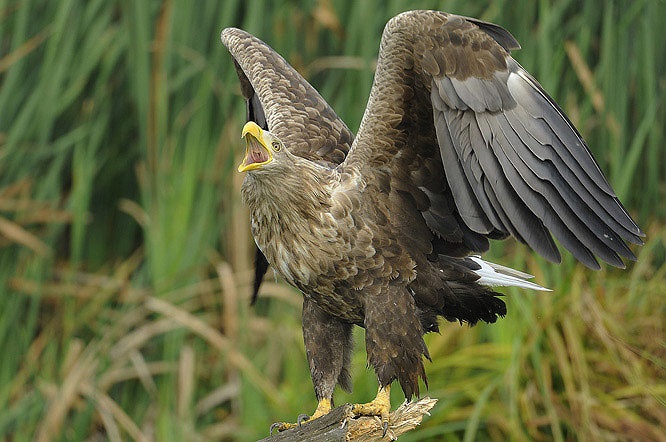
x=384, y=229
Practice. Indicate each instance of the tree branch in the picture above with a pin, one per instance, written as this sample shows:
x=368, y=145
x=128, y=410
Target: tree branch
x=340, y=425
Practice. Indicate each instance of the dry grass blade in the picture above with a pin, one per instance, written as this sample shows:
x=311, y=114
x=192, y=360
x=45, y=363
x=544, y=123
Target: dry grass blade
x=24, y=49
x=186, y=379
x=218, y=341
x=18, y=234
x=81, y=372
x=216, y=397
x=108, y=407
x=145, y=374
x=587, y=80
x=142, y=370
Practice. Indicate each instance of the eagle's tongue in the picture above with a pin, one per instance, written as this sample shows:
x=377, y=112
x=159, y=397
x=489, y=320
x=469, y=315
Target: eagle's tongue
x=256, y=153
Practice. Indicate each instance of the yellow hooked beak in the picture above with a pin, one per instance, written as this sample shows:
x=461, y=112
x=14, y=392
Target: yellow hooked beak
x=257, y=153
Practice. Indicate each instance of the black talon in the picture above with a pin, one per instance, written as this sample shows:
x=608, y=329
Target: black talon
x=384, y=428
x=302, y=418
x=274, y=426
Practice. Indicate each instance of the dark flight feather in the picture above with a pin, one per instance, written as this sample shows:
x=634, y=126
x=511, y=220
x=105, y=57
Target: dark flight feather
x=260, y=267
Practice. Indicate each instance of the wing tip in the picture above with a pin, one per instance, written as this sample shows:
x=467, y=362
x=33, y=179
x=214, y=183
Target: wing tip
x=227, y=35
x=503, y=37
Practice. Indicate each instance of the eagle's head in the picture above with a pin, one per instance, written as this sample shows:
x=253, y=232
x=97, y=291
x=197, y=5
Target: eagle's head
x=278, y=180
x=263, y=151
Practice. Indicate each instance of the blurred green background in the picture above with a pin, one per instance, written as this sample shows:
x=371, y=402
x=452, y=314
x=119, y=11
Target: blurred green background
x=125, y=257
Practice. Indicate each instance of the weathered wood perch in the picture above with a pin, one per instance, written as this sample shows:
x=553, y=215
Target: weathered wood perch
x=340, y=425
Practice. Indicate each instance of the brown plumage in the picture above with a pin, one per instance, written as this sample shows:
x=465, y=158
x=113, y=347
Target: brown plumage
x=458, y=145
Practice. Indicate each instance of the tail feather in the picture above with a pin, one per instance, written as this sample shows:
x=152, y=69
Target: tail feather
x=462, y=296
x=495, y=275
x=471, y=305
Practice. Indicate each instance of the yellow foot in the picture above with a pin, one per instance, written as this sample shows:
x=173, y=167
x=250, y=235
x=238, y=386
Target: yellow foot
x=380, y=406
x=323, y=407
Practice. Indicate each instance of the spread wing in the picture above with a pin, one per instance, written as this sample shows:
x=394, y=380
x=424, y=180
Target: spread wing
x=466, y=137
x=281, y=100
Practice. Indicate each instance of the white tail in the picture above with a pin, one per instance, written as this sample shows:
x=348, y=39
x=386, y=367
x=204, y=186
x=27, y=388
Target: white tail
x=496, y=275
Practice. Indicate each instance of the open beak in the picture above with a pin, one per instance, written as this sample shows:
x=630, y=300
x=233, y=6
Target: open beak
x=257, y=153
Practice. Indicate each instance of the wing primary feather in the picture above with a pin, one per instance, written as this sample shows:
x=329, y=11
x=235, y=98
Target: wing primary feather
x=473, y=177
x=549, y=206
x=580, y=183
x=499, y=210
x=538, y=103
x=544, y=178
x=584, y=233
x=255, y=112
x=465, y=198
x=466, y=184
x=498, y=33
x=524, y=221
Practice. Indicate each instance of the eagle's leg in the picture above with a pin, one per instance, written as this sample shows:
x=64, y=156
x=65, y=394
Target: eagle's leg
x=328, y=344
x=395, y=347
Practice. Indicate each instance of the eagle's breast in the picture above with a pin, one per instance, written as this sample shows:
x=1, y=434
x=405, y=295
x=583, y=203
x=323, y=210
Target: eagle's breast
x=319, y=244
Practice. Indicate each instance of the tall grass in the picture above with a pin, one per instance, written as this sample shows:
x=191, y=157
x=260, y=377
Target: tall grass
x=125, y=258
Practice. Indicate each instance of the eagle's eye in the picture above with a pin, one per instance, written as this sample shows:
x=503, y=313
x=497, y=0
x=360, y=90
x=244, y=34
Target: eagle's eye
x=276, y=146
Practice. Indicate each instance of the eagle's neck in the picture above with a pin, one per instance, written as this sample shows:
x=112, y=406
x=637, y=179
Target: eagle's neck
x=291, y=196
x=289, y=214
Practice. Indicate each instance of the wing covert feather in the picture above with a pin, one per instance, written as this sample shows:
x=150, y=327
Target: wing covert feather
x=290, y=107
